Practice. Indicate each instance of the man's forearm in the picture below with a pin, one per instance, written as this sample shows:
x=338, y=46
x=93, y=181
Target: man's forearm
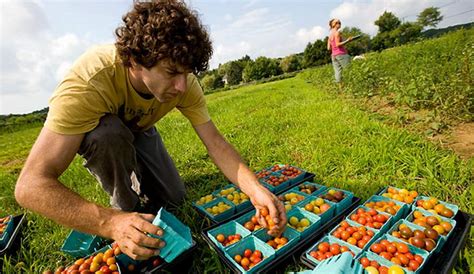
x=52, y=199
x=230, y=163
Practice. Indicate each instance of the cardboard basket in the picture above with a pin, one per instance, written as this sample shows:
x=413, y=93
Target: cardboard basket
x=414, y=227
x=377, y=233
x=79, y=244
x=221, y=216
x=453, y=208
x=274, y=189
x=384, y=227
x=239, y=207
x=319, y=188
x=287, y=203
x=325, y=216
x=314, y=220
x=292, y=235
x=385, y=190
x=229, y=228
x=251, y=243
x=176, y=235
x=401, y=213
x=444, y=238
x=413, y=250
x=344, y=203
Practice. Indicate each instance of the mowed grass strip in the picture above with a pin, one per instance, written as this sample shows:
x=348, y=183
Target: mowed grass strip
x=288, y=121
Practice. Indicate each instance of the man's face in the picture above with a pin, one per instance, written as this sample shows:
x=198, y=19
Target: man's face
x=165, y=80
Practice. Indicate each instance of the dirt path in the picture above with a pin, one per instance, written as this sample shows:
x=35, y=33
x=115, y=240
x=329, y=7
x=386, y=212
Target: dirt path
x=460, y=139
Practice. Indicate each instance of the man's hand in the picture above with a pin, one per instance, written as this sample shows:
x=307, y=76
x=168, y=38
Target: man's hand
x=130, y=231
x=263, y=199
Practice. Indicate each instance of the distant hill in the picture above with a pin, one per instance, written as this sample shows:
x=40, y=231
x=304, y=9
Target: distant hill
x=14, y=121
x=431, y=33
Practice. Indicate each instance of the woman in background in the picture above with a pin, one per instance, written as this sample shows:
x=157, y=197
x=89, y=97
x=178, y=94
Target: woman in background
x=340, y=57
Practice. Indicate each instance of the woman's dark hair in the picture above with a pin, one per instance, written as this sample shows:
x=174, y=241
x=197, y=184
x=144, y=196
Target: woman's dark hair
x=161, y=29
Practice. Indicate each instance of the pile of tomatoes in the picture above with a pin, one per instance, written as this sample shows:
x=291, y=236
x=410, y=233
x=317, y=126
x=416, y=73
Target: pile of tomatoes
x=231, y=239
x=425, y=239
x=370, y=218
x=275, y=180
x=326, y=250
x=389, y=207
x=402, y=195
x=356, y=236
x=307, y=188
x=373, y=267
x=433, y=205
x=105, y=262
x=290, y=171
x=434, y=222
x=277, y=242
x=398, y=253
x=249, y=258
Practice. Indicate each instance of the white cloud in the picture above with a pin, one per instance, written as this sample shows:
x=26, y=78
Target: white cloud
x=310, y=35
x=250, y=19
x=33, y=60
x=363, y=14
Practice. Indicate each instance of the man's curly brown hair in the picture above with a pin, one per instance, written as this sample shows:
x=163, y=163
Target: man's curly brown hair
x=162, y=29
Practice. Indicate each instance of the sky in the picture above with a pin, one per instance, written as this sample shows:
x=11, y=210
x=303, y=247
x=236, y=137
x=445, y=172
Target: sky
x=40, y=39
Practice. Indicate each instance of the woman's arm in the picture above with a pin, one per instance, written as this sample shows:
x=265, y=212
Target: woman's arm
x=339, y=43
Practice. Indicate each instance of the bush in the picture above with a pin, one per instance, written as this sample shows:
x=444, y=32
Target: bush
x=433, y=74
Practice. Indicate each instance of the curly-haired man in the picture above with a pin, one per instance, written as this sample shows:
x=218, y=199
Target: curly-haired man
x=105, y=110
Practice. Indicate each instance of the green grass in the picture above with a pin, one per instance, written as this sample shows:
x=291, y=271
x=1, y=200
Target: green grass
x=288, y=121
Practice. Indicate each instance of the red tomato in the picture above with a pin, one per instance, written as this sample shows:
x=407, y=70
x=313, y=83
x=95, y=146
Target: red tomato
x=335, y=249
x=365, y=262
x=248, y=253
x=258, y=253
x=323, y=247
x=376, y=248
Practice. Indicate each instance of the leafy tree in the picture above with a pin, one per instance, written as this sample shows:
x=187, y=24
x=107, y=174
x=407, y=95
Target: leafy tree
x=407, y=32
x=262, y=67
x=316, y=54
x=387, y=22
x=212, y=81
x=429, y=17
x=358, y=46
x=290, y=63
x=382, y=41
x=232, y=72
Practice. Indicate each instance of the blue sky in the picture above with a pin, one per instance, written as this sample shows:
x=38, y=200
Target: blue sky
x=40, y=39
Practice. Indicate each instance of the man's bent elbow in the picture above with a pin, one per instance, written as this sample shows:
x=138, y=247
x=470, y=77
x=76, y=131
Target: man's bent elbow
x=21, y=191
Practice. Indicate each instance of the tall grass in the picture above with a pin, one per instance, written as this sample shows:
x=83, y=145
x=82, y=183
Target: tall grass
x=435, y=74
x=288, y=121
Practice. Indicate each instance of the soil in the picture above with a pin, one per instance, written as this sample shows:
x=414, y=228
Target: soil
x=458, y=137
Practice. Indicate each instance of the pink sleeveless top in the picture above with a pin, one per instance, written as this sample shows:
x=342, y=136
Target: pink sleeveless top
x=335, y=50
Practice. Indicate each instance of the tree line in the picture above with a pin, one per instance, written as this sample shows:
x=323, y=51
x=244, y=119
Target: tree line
x=391, y=32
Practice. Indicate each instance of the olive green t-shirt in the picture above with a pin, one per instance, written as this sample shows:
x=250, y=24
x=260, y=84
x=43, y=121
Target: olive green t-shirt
x=98, y=84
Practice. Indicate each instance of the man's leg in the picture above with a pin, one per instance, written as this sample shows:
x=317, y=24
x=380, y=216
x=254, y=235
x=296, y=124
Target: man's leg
x=110, y=157
x=160, y=182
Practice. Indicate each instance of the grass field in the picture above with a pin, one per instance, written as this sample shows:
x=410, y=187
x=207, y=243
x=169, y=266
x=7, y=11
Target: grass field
x=288, y=121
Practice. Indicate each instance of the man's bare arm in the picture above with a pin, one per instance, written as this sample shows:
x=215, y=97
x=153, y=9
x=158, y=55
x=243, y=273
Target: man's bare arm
x=39, y=190
x=231, y=164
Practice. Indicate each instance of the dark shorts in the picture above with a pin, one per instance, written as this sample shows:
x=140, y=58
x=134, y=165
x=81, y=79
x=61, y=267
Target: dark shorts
x=134, y=168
